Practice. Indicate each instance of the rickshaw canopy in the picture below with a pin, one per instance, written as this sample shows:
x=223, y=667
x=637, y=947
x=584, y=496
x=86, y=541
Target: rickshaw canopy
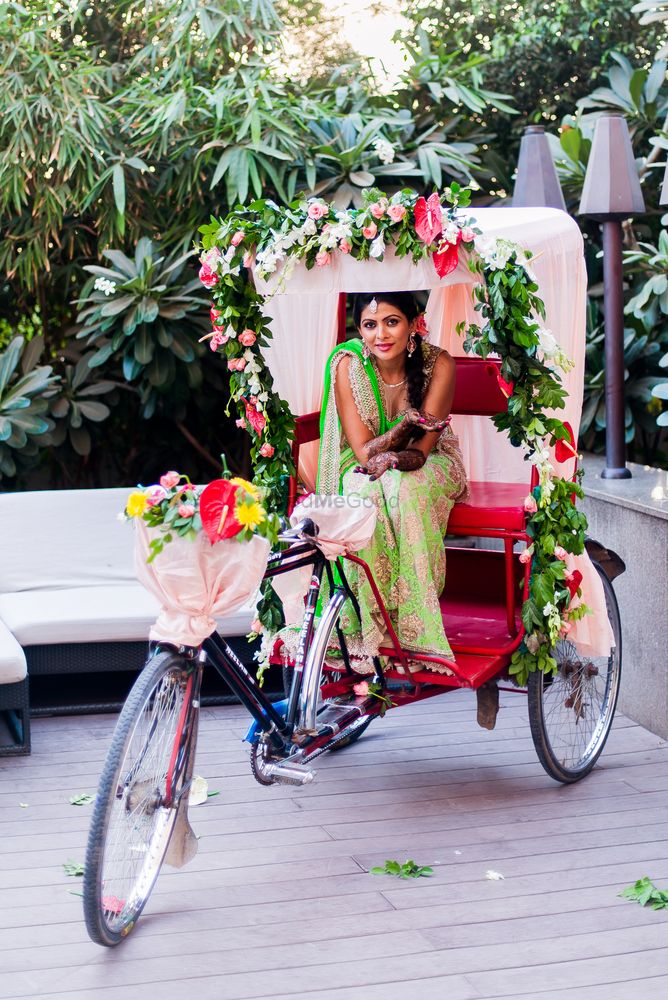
x=303, y=308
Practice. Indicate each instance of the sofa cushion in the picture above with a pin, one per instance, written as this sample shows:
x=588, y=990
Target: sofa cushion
x=12, y=658
x=94, y=614
x=64, y=538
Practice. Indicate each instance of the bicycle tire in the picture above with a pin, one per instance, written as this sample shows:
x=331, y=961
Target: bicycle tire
x=571, y=714
x=131, y=826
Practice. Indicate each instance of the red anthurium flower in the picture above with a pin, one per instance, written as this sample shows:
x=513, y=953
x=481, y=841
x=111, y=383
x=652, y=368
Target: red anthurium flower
x=574, y=581
x=446, y=261
x=565, y=448
x=216, y=508
x=255, y=419
x=428, y=221
x=507, y=388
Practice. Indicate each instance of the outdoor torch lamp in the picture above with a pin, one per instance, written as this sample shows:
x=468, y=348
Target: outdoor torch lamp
x=611, y=193
x=536, y=183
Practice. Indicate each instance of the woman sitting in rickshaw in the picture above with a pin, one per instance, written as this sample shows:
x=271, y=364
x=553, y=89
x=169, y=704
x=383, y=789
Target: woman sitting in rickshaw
x=385, y=438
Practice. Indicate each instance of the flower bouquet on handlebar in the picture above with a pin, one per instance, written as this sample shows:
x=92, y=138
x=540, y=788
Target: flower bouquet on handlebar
x=201, y=551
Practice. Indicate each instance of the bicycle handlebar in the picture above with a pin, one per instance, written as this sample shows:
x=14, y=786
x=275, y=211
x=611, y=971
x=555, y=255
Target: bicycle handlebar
x=306, y=529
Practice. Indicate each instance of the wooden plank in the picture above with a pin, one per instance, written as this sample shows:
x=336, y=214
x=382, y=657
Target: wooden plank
x=425, y=782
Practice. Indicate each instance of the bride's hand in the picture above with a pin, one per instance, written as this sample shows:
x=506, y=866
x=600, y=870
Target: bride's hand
x=379, y=464
x=425, y=421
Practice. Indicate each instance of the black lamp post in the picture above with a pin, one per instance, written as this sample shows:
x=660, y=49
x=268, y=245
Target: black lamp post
x=536, y=183
x=611, y=193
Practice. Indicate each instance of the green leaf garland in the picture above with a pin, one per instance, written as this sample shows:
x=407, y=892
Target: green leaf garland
x=273, y=239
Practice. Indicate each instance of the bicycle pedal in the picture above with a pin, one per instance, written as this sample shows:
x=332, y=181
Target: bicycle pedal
x=286, y=773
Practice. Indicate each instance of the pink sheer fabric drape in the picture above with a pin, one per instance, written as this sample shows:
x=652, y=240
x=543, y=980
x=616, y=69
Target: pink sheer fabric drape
x=304, y=323
x=197, y=582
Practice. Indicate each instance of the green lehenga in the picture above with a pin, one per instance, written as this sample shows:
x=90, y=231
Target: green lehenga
x=406, y=553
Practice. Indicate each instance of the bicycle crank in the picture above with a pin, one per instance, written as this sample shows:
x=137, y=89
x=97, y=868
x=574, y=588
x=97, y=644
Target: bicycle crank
x=277, y=772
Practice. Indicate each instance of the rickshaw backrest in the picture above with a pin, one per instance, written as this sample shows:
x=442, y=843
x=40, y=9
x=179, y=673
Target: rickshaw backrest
x=477, y=393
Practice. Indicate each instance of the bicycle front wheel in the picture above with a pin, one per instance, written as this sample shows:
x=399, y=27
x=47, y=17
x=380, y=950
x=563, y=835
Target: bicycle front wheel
x=571, y=713
x=138, y=795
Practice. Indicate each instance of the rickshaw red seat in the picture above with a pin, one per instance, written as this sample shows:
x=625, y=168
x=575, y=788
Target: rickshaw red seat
x=490, y=505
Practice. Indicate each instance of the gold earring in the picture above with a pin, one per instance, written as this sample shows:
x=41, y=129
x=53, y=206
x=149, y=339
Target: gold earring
x=411, y=345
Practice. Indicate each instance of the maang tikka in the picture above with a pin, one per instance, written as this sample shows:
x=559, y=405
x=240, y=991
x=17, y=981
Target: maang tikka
x=373, y=305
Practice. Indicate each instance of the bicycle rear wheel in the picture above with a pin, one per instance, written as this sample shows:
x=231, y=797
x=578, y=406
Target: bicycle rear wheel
x=138, y=795
x=571, y=713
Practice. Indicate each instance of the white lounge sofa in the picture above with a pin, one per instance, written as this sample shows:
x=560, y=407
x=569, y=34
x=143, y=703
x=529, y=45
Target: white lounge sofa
x=67, y=581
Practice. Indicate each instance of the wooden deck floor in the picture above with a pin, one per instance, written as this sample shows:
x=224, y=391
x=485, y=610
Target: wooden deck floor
x=278, y=902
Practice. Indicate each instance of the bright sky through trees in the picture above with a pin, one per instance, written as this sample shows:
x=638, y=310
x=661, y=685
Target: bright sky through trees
x=368, y=27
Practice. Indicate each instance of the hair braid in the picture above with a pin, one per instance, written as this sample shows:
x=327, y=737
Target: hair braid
x=415, y=374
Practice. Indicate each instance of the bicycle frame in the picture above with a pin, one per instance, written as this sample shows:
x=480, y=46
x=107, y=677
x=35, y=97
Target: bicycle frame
x=302, y=702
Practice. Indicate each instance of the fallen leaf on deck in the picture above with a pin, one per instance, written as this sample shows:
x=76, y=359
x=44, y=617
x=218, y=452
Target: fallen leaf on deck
x=73, y=867
x=23, y=805
x=494, y=876
x=82, y=800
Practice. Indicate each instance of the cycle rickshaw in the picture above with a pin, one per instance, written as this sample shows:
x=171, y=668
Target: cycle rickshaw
x=140, y=817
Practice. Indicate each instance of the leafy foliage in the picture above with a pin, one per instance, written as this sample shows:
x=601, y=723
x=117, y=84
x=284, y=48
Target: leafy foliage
x=406, y=870
x=145, y=313
x=650, y=306
x=645, y=892
x=25, y=390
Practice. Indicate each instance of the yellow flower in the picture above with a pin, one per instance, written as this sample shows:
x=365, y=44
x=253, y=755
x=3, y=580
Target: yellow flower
x=245, y=485
x=250, y=515
x=136, y=504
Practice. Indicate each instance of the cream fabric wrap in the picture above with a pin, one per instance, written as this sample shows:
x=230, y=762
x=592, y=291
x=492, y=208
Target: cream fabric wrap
x=196, y=582
x=346, y=525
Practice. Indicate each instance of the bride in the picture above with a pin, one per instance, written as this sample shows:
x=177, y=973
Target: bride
x=385, y=439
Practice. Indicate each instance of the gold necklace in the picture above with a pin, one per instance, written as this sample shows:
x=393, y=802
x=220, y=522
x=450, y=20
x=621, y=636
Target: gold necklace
x=388, y=385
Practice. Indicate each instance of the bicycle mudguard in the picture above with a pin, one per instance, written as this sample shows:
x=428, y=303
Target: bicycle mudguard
x=253, y=734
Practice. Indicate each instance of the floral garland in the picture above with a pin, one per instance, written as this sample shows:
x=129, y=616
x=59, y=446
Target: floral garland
x=275, y=239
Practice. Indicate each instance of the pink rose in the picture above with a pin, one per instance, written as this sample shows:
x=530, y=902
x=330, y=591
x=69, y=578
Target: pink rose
x=369, y=231
x=345, y=246
x=560, y=552
x=530, y=505
x=186, y=510
x=155, y=495
x=237, y=238
x=323, y=258
x=255, y=419
x=525, y=556
x=217, y=341
x=236, y=364
x=170, y=480
x=211, y=258
x=214, y=314
x=256, y=625
x=248, y=259
x=569, y=577
x=361, y=689
x=565, y=628
x=378, y=209
x=468, y=236
x=247, y=338
x=208, y=278
x=396, y=212
x=267, y=450
x=317, y=210
x=240, y=423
